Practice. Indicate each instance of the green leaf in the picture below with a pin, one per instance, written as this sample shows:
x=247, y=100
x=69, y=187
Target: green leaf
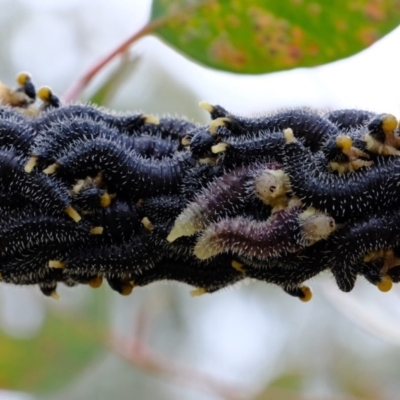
x=257, y=36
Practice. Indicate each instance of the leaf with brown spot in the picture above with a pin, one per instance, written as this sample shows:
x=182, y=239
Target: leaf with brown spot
x=258, y=36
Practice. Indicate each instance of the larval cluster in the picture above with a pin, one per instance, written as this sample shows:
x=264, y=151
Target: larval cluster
x=87, y=194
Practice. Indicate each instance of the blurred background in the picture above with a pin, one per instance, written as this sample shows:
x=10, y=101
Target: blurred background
x=251, y=341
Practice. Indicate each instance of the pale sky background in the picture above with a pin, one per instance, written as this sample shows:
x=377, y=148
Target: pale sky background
x=231, y=331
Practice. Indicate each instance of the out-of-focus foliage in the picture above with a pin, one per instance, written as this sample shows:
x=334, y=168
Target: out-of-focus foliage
x=51, y=359
x=114, y=81
x=257, y=36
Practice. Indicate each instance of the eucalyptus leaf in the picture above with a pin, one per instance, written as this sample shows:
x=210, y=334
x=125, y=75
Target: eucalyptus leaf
x=258, y=36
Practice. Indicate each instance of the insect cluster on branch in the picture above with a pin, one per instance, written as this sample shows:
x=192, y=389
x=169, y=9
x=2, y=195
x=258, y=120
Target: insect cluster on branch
x=87, y=194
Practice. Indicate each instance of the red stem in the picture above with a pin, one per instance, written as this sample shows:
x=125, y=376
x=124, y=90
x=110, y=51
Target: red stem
x=76, y=89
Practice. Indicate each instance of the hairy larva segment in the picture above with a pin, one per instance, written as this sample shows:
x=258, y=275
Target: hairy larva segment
x=128, y=123
x=123, y=286
x=342, y=156
x=8, y=112
x=348, y=246
x=173, y=129
x=49, y=195
x=342, y=196
x=37, y=232
x=197, y=179
x=308, y=125
x=120, y=222
x=133, y=256
x=226, y=196
x=159, y=214
x=349, y=118
x=126, y=172
x=287, y=231
x=209, y=276
x=15, y=135
x=222, y=196
x=162, y=209
x=153, y=147
x=129, y=181
x=90, y=199
x=60, y=137
x=267, y=147
x=290, y=271
x=201, y=143
x=32, y=266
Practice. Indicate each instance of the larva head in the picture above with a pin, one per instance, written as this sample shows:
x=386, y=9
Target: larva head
x=23, y=78
x=201, y=143
x=386, y=283
x=382, y=125
x=306, y=294
x=344, y=143
x=389, y=123
x=45, y=93
x=127, y=288
x=222, y=121
x=48, y=97
x=215, y=111
x=271, y=184
x=96, y=282
x=316, y=225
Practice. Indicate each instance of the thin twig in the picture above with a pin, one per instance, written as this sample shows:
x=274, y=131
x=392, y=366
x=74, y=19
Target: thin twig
x=76, y=89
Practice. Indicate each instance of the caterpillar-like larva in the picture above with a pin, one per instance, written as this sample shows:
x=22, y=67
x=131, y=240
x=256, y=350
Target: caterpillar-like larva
x=229, y=194
x=90, y=195
x=287, y=231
